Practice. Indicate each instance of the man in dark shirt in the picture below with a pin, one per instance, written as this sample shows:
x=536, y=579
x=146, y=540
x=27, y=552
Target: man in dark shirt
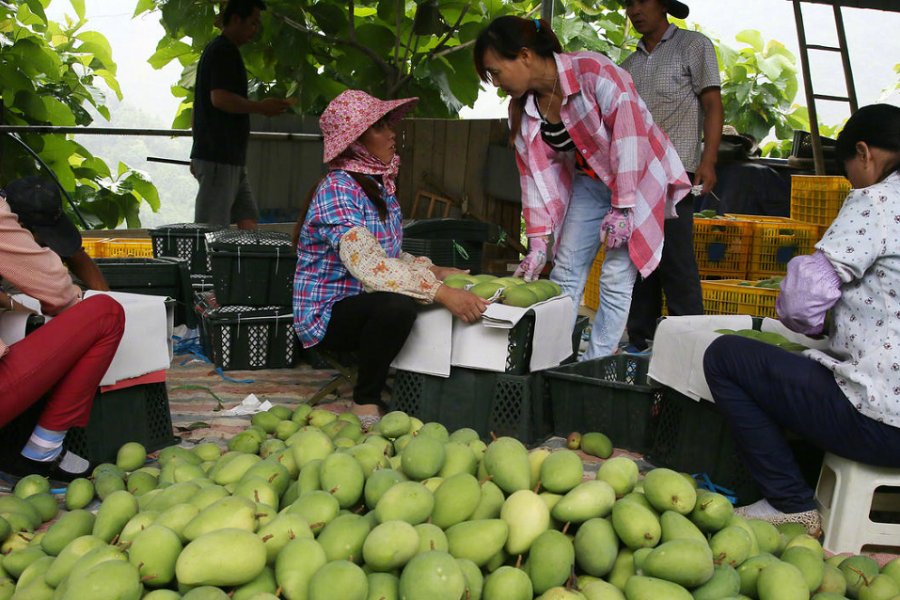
x=221, y=121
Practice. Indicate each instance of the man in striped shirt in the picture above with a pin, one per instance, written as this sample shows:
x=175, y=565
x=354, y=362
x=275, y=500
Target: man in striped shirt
x=677, y=75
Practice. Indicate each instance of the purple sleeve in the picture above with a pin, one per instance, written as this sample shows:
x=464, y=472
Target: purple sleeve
x=809, y=289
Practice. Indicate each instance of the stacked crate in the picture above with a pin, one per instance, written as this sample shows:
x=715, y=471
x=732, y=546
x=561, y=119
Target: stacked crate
x=247, y=322
x=817, y=200
x=186, y=241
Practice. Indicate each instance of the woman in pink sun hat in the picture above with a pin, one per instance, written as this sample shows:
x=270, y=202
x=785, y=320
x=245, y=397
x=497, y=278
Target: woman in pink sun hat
x=354, y=289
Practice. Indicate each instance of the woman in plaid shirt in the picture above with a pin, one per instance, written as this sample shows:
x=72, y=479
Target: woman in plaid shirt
x=594, y=166
x=354, y=289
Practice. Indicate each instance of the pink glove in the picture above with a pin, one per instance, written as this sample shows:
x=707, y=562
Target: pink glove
x=530, y=268
x=615, y=229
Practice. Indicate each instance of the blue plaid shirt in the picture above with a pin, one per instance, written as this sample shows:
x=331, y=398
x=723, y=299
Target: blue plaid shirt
x=321, y=279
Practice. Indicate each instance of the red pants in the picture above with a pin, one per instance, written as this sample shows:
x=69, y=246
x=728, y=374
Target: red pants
x=66, y=357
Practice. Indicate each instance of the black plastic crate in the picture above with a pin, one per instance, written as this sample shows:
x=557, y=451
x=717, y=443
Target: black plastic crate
x=488, y=402
x=135, y=414
x=184, y=240
x=250, y=337
x=153, y=277
x=460, y=254
x=693, y=437
x=610, y=395
x=202, y=283
x=252, y=268
x=451, y=229
x=801, y=146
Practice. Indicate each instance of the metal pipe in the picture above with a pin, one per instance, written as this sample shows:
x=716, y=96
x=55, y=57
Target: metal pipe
x=547, y=11
x=50, y=129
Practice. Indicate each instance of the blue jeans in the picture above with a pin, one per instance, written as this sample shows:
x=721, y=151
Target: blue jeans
x=578, y=246
x=762, y=390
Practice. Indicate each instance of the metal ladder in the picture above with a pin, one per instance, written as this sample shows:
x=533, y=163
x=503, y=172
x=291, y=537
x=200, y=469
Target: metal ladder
x=811, y=96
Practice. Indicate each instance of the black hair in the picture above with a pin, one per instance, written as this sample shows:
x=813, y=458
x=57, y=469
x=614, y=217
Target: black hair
x=369, y=187
x=507, y=36
x=241, y=9
x=878, y=125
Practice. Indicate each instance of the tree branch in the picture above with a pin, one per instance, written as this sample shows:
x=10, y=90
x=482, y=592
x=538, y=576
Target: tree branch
x=384, y=66
x=452, y=49
x=450, y=32
x=400, y=6
x=352, y=28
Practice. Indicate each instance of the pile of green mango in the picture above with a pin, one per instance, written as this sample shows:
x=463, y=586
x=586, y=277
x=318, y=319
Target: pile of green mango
x=515, y=292
x=708, y=213
x=769, y=337
x=772, y=283
x=305, y=505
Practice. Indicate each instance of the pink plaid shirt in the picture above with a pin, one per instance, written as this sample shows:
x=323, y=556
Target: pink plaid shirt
x=615, y=133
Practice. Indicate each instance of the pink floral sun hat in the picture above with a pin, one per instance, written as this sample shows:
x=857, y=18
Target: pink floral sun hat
x=351, y=113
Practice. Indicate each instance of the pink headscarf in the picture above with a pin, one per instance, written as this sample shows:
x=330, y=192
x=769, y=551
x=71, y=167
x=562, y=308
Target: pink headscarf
x=358, y=159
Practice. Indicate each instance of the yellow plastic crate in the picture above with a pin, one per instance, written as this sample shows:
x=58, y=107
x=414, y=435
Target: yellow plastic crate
x=817, y=199
x=776, y=240
x=140, y=248
x=722, y=247
x=592, y=287
x=728, y=297
x=95, y=247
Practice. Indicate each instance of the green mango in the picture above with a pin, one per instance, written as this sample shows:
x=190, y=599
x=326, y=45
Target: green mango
x=231, y=512
x=319, y=418
x=30, y=485
x=207, y=451
x=536, y=458
x=342, y=539
x=857, y=571
x=783, y=581
x=310, y=445
x=551, y=559
x=71, y=525
x=587, y=500
x=91, y=559
x=257, y=489
x=394, y=424
x=464, y=435
x=177, y=493
x=154, y=552
x=131, y=456
x=730, y=546
x=668, y=490
x=35, y=570
x=136, y=524
x=767, y=536
x=596, y=547
x=738, y=521
x=527, y=516
x=486, y=289
x=596, y=444
x=318, y=508
x=46, y=505
x=506, y=461
x=408, y=501
x=390, y=545
x=223, y=557
x=106, y=483
x=423, y=457
x=474, y=578
x=809, y=542
x=140, y=482
x=205, y=592
x=810, y=565
x=881, y=587
x=491, y=502
x=458, y=458
x=508, y=583
x=36, y=589
x=264, y=583
x=711, y=512
x=279, y=531
x=118, y=508
x=69, y=555
x=310, y=476
x=688, y=563
x=17, y=561
x=163, y=595
x=173, y=453
x=378, y=483
x=232, y=470
x=431, y=537
x=110, y=580
x=561, y=471
x=208, y=496
x=295, y=566
x=724, y=583
x=748, y=572
x=522, y=296
x=676, y=526
x=833, y=581
x=383, y=586
x=267, y=420
x=176, y=518
x=339, y=579
x=620, y=472
x=371, y=457
x=640, y=498
x=432, y=576
x=456, y=499
x=651, y=588
x=601, y=590
x=635, y=524
x=477, y=541
x=79, y=493
x=273, y=472
x=343, y=477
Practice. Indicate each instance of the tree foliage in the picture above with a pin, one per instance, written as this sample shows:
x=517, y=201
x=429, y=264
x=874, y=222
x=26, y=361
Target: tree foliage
x=49, y=75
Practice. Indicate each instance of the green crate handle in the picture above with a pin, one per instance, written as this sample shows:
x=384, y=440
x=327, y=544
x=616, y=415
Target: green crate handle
x=619, y=385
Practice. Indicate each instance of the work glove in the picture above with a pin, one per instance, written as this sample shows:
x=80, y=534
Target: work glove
x=530, y=268
x=615, y=229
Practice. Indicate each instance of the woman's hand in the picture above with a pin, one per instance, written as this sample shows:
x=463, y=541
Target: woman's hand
x=461, y=303
x=615, y=229
x=442, y=272
x=530, y=268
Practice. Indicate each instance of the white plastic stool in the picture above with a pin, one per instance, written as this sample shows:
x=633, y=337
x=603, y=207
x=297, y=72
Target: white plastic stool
x=845, y=495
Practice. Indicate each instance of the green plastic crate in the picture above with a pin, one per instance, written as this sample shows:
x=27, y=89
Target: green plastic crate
x=184, y=240
x=252, y=268
x=488, y=402
x=153, y=277
x=250, y=337
x=610, y=395
x=460, y=254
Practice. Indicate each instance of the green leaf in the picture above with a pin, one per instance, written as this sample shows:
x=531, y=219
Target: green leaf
x=111, y=81
x=78, y=5
x=35, y=8
x=771, y=67
x=58, y=113
x=753, y=38
x=167, y=51
x=143, y=6
x=331, y=19
x=97, y=45
x=31, y=105
x=144, y=186
x=132, y=207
